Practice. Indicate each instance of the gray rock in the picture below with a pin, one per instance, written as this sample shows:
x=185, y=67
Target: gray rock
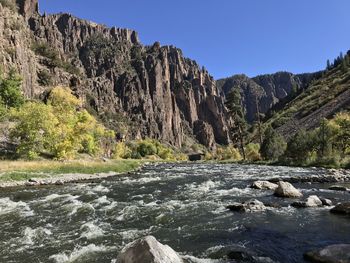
x=286, y=189
x=343, y=208
x=331, y=254
x=338, y=188
x=264, y=185
x=248, y=206
x=326, y=202
x=311, y=201
x=148, y=250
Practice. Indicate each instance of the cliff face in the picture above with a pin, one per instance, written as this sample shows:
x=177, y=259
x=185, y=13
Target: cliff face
x=265, y=91
x=155, y=90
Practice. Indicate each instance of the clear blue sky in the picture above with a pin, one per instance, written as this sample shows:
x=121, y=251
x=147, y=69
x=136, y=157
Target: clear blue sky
x=230, y=36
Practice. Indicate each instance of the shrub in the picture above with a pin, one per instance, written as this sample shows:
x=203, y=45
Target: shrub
x=10, y=90
x=252, y=152
x=228, y=153
x=44, y=78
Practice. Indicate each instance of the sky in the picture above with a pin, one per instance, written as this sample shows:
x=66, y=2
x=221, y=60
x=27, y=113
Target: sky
x=230, y=36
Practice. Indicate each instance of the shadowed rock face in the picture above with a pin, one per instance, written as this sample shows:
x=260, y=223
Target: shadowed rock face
x=156, y=90
x=264, y=90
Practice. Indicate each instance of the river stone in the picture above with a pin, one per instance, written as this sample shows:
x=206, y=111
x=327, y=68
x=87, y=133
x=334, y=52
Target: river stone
x=311, y=201
x=148, y=250
x=338, y=188
x=248, y=206
x=326, y=202
x=331, y=254
x=286, y=189
x=343, y=208
x=264, y=185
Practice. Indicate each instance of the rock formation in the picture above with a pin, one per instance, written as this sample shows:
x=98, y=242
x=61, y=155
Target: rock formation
x=265, y=91
x=140, y=91
x=286, y=189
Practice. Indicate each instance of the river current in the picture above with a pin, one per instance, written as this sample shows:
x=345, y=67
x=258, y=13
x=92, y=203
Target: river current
x=182, y=205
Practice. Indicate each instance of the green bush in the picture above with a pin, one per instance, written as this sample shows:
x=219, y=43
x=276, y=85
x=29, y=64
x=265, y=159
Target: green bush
x=252, y=152
x=273, y=145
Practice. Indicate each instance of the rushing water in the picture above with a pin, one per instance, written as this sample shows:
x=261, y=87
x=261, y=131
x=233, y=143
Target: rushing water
x=182, y=205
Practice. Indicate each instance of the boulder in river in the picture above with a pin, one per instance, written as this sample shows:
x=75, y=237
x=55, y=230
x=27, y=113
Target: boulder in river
x=311, y=201
x=248, y=206
x=343, y=208
x=338, y=188
x=326, y=202
x=286, y=189
x=264, y=185
x=148, y=250
x=331, y=254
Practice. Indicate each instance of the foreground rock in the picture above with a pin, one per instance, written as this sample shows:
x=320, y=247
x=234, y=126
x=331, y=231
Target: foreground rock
x=343, y=208
x=264, y=185
x=286, y=189
x=248, y=206
x=148, y=250
x=311, y=201
x=331, y=254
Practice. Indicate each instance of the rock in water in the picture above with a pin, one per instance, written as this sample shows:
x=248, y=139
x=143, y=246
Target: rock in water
x=343, y=208
x=338, y=188
x=148, y=250
x=326, y=202
x=264, y=185
x=249, y=206
x=285, y=189
x=311, y=201
x=331, y=254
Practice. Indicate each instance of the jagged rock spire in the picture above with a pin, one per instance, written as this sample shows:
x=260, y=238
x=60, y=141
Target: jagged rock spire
x=28, y=8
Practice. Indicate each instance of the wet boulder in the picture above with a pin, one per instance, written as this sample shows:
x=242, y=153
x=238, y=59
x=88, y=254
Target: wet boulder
x=343, y=208
x=331, y=254
x=311, y=201
x=286, y=189
x=338, y=188
x=148, y=250
x=326, y=202
x=264, y=185
x=248, y=206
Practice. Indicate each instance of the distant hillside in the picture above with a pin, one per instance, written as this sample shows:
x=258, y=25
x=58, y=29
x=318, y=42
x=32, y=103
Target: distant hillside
x=322, y=99
x=266, y=91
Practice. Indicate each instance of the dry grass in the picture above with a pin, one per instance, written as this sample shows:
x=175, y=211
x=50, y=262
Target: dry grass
x=56, y=167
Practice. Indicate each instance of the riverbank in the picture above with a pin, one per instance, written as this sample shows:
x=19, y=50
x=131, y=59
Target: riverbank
x=35, y=173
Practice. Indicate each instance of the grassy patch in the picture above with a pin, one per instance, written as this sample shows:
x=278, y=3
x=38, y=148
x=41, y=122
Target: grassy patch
x=24, y=170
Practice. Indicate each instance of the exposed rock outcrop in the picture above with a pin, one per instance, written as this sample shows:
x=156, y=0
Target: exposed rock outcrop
x=154, y=91
x=248, y=206
x=286, y=189
x=265, y=91
x=148, y=250
x=264, y=185
x=311, y=201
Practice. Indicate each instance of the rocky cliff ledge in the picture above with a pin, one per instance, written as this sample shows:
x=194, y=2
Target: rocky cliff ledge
x=155, y=90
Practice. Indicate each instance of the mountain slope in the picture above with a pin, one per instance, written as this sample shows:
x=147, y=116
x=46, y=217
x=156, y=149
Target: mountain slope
x=323, y=99
x=265, y=91
x=140, y=91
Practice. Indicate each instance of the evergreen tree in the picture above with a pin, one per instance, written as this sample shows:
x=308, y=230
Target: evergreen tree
x=299, y=147
x=329, y=66
x=239, y=127
x=273, y=145
x=10, y=90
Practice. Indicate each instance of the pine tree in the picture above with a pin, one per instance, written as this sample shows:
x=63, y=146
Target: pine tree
x=329, y=66
x=239, y=127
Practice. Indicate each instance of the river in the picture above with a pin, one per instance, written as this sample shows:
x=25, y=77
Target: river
x=182, y=205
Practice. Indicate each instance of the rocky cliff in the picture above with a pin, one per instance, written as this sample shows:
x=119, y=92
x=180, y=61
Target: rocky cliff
x=141, y=91
x=265, y=91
